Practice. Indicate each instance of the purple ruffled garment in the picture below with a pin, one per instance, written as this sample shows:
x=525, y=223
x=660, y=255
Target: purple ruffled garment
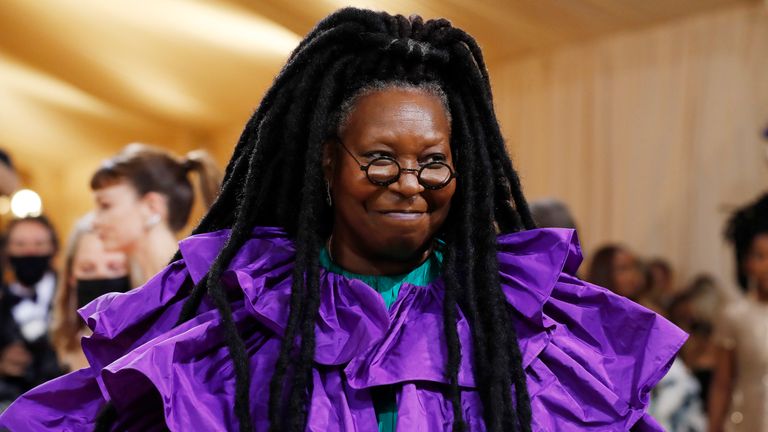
x=590, y=357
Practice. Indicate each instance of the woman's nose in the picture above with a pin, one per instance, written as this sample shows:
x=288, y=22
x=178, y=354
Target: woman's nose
x=408, y=183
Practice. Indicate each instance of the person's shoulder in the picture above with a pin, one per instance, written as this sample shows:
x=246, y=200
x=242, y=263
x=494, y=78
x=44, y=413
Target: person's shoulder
x=559, y=247
x=579, y=338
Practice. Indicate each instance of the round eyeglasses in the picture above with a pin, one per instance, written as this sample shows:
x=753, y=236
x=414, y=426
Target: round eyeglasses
x=385, y=170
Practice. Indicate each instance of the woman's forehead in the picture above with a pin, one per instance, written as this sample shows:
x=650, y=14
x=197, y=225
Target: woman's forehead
x=115, y=190
x=27, y=229
x=392, y=112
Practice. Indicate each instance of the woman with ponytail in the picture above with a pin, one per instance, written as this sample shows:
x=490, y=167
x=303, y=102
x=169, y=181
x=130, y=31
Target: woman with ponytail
x=144, y=197
x=370, y=264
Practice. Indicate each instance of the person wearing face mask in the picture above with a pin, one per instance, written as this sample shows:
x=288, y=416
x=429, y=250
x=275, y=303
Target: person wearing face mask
x=88, y=272
x=30, y=244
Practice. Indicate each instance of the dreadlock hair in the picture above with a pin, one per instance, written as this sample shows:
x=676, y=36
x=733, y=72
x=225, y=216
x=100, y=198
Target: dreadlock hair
x=275, y=178
x=742, y=228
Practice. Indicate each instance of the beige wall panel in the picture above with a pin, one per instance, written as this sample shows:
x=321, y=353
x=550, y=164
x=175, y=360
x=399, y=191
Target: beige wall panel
x=652, y=137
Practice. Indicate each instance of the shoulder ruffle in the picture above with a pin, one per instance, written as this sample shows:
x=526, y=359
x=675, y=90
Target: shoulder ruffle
x=591, y=357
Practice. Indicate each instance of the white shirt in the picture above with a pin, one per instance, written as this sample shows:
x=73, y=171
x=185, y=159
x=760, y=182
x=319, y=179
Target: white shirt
x=32, y=315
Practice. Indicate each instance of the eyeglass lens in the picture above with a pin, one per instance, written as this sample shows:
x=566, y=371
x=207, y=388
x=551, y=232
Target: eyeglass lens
x=387, y=170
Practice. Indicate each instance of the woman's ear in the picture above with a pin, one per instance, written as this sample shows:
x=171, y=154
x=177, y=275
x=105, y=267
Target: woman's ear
x=155, y=205
x=329, y=156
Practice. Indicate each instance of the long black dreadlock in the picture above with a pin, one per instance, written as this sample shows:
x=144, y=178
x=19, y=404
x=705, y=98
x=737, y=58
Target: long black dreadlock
x=278, y=158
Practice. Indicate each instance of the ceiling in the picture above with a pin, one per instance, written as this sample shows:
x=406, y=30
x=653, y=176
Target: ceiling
x=80, y=78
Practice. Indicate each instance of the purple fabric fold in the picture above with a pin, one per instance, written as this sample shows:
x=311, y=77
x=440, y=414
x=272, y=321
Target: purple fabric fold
x=590, y=356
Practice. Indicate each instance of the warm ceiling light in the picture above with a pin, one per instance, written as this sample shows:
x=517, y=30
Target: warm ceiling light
x=25, y=203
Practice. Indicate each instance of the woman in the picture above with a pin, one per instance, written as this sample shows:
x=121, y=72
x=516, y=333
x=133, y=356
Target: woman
x=89, y=272
x=618, y=269
x=660, y=282
x=695, y=311
x=350, y=276
x=738, y=399
x=30, y=245
x=144, y=198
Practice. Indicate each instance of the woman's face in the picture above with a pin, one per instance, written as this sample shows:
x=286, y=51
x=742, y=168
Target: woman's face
x=395, y=222
x=120, y=217
x=756, y=263
x=92, y=261
x=627, y=277
x=30, y=238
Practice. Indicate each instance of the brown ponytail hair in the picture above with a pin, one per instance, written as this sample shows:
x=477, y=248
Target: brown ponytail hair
x=209, y=175
x=151, y=169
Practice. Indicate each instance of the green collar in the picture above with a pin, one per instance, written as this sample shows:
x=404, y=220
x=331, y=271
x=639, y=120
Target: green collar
x=389, y=286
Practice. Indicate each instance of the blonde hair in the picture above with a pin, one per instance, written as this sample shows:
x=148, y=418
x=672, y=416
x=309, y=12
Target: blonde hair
x=65, y=323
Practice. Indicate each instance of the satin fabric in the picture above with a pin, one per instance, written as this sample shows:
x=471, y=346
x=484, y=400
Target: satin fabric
x=590, y=357
x=385, y=398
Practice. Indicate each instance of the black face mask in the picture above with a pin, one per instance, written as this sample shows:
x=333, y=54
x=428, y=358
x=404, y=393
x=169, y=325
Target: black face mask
x=30, y=269
x=90, y=289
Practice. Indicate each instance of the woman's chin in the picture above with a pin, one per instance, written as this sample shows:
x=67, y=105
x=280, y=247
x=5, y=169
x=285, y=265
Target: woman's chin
x=404, y=249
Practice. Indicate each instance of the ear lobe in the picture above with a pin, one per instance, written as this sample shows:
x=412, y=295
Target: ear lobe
x=156, y=203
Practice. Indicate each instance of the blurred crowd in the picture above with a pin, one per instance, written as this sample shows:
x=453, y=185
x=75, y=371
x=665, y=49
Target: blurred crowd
x=144, y=196
x=719, y=380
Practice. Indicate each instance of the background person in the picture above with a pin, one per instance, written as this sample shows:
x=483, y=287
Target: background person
x=738, y=399
x=144, y=197
x=30, y=245
x=89, y=271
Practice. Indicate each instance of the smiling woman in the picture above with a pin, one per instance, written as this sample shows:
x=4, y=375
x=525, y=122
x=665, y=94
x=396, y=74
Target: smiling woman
x=369, y=264
x=380, y=209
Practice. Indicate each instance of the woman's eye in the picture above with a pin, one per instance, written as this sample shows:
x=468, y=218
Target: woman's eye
x=117, y=266
x=379, y=154
x=87, y=269
x=436, y=157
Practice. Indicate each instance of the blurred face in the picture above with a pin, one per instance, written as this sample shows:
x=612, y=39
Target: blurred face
x=120, y=217
x=627, y=277
x=14, y=360
x=756, y=264
x=662, y=278
x=92, y=261
x=30, y=239
x=395, y=222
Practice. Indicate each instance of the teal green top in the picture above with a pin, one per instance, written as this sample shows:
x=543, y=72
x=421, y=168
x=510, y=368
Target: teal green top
x=384, y=398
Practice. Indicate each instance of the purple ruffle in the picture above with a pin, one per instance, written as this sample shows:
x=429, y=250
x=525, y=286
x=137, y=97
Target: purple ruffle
x=590, y=356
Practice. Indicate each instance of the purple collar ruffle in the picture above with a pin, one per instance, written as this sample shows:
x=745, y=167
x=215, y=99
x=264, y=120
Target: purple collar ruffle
x=590, y=356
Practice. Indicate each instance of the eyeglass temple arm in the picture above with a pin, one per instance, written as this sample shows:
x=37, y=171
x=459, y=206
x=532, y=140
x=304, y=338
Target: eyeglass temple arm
x=362, y=167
